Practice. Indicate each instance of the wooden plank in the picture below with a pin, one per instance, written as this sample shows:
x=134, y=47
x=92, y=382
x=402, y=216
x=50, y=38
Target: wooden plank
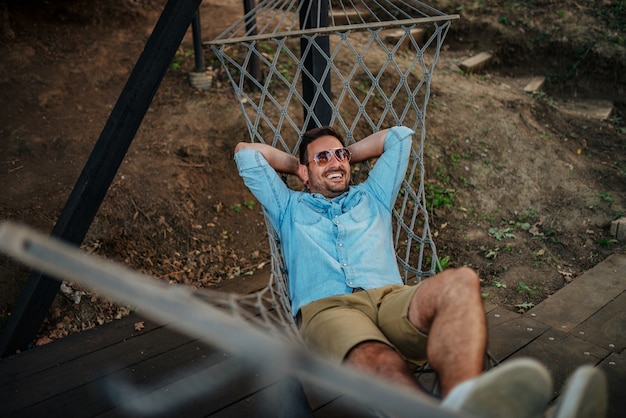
x=205, y=402
x=36, y=388
x=509, y=336
x=476, y=63
x=93, y=398
x=562, y=353
x=59, y=352
x=500, y=315
x=285, y=399
x=344, y=407
x=614, y=367
x=591, y=292
x=245, y=284
x=606, y=327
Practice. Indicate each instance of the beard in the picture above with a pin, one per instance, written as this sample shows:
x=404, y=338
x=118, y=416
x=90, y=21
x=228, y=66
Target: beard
x=328, y=187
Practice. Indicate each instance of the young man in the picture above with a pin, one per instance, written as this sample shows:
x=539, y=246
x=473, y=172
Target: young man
x=346, y=291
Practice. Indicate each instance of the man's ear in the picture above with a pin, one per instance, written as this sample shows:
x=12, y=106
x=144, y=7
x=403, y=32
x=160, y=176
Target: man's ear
x=303, y=173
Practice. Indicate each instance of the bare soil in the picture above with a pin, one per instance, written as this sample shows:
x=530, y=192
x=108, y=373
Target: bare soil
x=528, y=187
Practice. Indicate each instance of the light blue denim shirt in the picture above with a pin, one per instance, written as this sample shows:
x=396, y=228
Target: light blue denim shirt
x=333, y=246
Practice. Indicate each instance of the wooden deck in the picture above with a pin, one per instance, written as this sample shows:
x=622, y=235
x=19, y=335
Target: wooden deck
x=583, y=323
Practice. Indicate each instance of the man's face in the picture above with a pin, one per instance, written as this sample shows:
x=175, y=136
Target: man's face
x=334, y=178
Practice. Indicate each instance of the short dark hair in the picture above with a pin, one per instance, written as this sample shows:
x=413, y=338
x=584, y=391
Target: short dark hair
x=311, y=135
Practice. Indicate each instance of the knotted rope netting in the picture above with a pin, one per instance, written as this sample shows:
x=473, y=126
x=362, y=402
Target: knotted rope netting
x=359, y=66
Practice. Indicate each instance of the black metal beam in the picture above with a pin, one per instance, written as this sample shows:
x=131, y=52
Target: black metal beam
x=253, y=67
x=196, y=32
x=315, y=61
x=101, y=167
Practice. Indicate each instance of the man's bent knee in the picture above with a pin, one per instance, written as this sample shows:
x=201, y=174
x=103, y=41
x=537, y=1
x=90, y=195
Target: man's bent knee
x=448, y=289
x=381, y=359
x=468, y=277
x=462, y=280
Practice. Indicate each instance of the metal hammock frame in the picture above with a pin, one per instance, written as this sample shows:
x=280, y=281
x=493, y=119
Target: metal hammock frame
x=363, y=66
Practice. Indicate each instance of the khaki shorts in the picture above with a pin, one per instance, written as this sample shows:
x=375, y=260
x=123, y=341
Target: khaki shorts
x=333, y=325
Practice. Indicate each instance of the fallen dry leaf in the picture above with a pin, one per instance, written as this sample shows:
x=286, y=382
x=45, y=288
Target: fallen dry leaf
x=43, y=341
x=139, y=326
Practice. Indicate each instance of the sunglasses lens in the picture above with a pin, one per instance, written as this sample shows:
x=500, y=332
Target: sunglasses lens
x=322, y=158
x=342, y=154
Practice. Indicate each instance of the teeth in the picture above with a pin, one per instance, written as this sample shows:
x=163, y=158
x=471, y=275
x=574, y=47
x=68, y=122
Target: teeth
x=334, y=175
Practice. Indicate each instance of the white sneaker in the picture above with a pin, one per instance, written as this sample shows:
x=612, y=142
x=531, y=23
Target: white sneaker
x=519, y=388
x=585, y=395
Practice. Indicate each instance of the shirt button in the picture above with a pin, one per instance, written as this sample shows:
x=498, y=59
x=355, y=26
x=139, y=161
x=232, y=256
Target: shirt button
x=345, y=265
x=340, y=244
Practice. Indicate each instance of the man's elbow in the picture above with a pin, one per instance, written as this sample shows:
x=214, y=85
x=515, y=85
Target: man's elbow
x=240, y=146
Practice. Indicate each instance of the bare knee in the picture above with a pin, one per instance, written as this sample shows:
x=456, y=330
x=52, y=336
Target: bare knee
x=448, y=290
x=453, y=283
x=467, y=278
x=373, y=354
x=381, y=359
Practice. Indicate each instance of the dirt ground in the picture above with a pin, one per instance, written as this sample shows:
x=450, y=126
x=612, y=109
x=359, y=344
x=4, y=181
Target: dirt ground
x=528, y=185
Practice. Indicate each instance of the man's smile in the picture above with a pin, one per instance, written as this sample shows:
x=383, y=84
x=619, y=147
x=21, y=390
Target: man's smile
x=335, y=175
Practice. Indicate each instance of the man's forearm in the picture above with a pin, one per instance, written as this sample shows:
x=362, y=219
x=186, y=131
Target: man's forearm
x=369, y=147
x=277, y=159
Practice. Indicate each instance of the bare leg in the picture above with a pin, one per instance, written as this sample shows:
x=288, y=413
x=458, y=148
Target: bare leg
x=448, y=307
x=380, y=359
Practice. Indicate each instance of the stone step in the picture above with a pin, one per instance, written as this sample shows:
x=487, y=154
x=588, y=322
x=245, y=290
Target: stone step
x=535, y=84
x=476, y=63
x=587, y=109
x=394, y=36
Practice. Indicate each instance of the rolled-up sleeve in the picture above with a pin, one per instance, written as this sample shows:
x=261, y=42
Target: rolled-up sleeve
x=264, y=183
x=386, y=176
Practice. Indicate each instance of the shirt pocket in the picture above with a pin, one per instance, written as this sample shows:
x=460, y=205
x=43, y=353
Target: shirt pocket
x=306, y=215
x=363, y=211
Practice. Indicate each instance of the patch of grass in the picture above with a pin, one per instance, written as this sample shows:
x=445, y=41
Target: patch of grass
x=604, y=243
x=542, y=97
x=527, y=215
x=438, y=196
x=493, y=217
x=524, y=288
x=237, y=207
x=500, y=234
x=498, y=284
x=442, y=264
x=606, y=196
x=594, y=202
x=179, y=58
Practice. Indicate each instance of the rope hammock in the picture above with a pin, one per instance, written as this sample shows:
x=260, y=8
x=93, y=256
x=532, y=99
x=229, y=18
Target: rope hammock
x=362, y=66
x=358, y=65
